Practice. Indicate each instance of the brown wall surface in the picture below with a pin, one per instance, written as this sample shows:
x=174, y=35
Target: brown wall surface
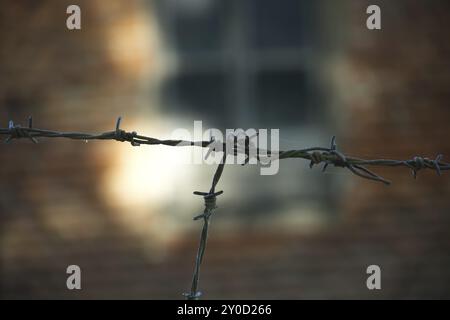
x=392, y=87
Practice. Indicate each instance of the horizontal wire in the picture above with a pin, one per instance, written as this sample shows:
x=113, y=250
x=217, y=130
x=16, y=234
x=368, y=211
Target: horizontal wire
x=316, y=155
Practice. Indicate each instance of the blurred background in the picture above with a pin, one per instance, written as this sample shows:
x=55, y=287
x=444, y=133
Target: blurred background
x=310, y=68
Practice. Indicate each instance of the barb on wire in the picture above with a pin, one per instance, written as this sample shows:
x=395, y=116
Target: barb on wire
x=210, y=205
x=316, y=155
x=358, y=166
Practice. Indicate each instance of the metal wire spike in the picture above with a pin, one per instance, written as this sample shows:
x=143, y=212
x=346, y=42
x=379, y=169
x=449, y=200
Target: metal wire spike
x=333, y=145
x=436, y=163
x=119, y=119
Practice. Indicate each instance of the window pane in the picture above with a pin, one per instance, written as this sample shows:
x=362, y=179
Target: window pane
x=283, y=97
x=199, y=24
x=199, y=94
x=281, y=24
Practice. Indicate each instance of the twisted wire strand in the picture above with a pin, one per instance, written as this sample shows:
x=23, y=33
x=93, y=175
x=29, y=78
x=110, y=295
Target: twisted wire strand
x=316, y=155
x=210, y=205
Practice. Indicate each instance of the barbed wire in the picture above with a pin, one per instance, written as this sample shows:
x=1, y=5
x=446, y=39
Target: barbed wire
x=239, y=145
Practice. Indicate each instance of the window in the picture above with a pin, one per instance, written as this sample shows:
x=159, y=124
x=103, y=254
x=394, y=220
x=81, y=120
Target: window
x=249, y=64
x=241, y=59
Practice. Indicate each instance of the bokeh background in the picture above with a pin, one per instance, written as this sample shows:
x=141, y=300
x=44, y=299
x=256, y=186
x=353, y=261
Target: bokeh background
x=310, y=68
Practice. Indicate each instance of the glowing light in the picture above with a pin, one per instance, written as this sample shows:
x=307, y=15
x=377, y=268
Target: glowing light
x=145, y=176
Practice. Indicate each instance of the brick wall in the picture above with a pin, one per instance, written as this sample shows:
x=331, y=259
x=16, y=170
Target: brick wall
x=392, y=92
x=52, y=208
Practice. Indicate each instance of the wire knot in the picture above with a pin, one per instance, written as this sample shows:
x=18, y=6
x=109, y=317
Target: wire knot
x=210, y=199
x=193, y=295
x=418, y=163
x=122, y=135
x=316, y=158
x=17, y=131
x=341, y=160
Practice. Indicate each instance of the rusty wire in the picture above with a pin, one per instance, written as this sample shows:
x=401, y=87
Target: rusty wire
x=316, y=155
